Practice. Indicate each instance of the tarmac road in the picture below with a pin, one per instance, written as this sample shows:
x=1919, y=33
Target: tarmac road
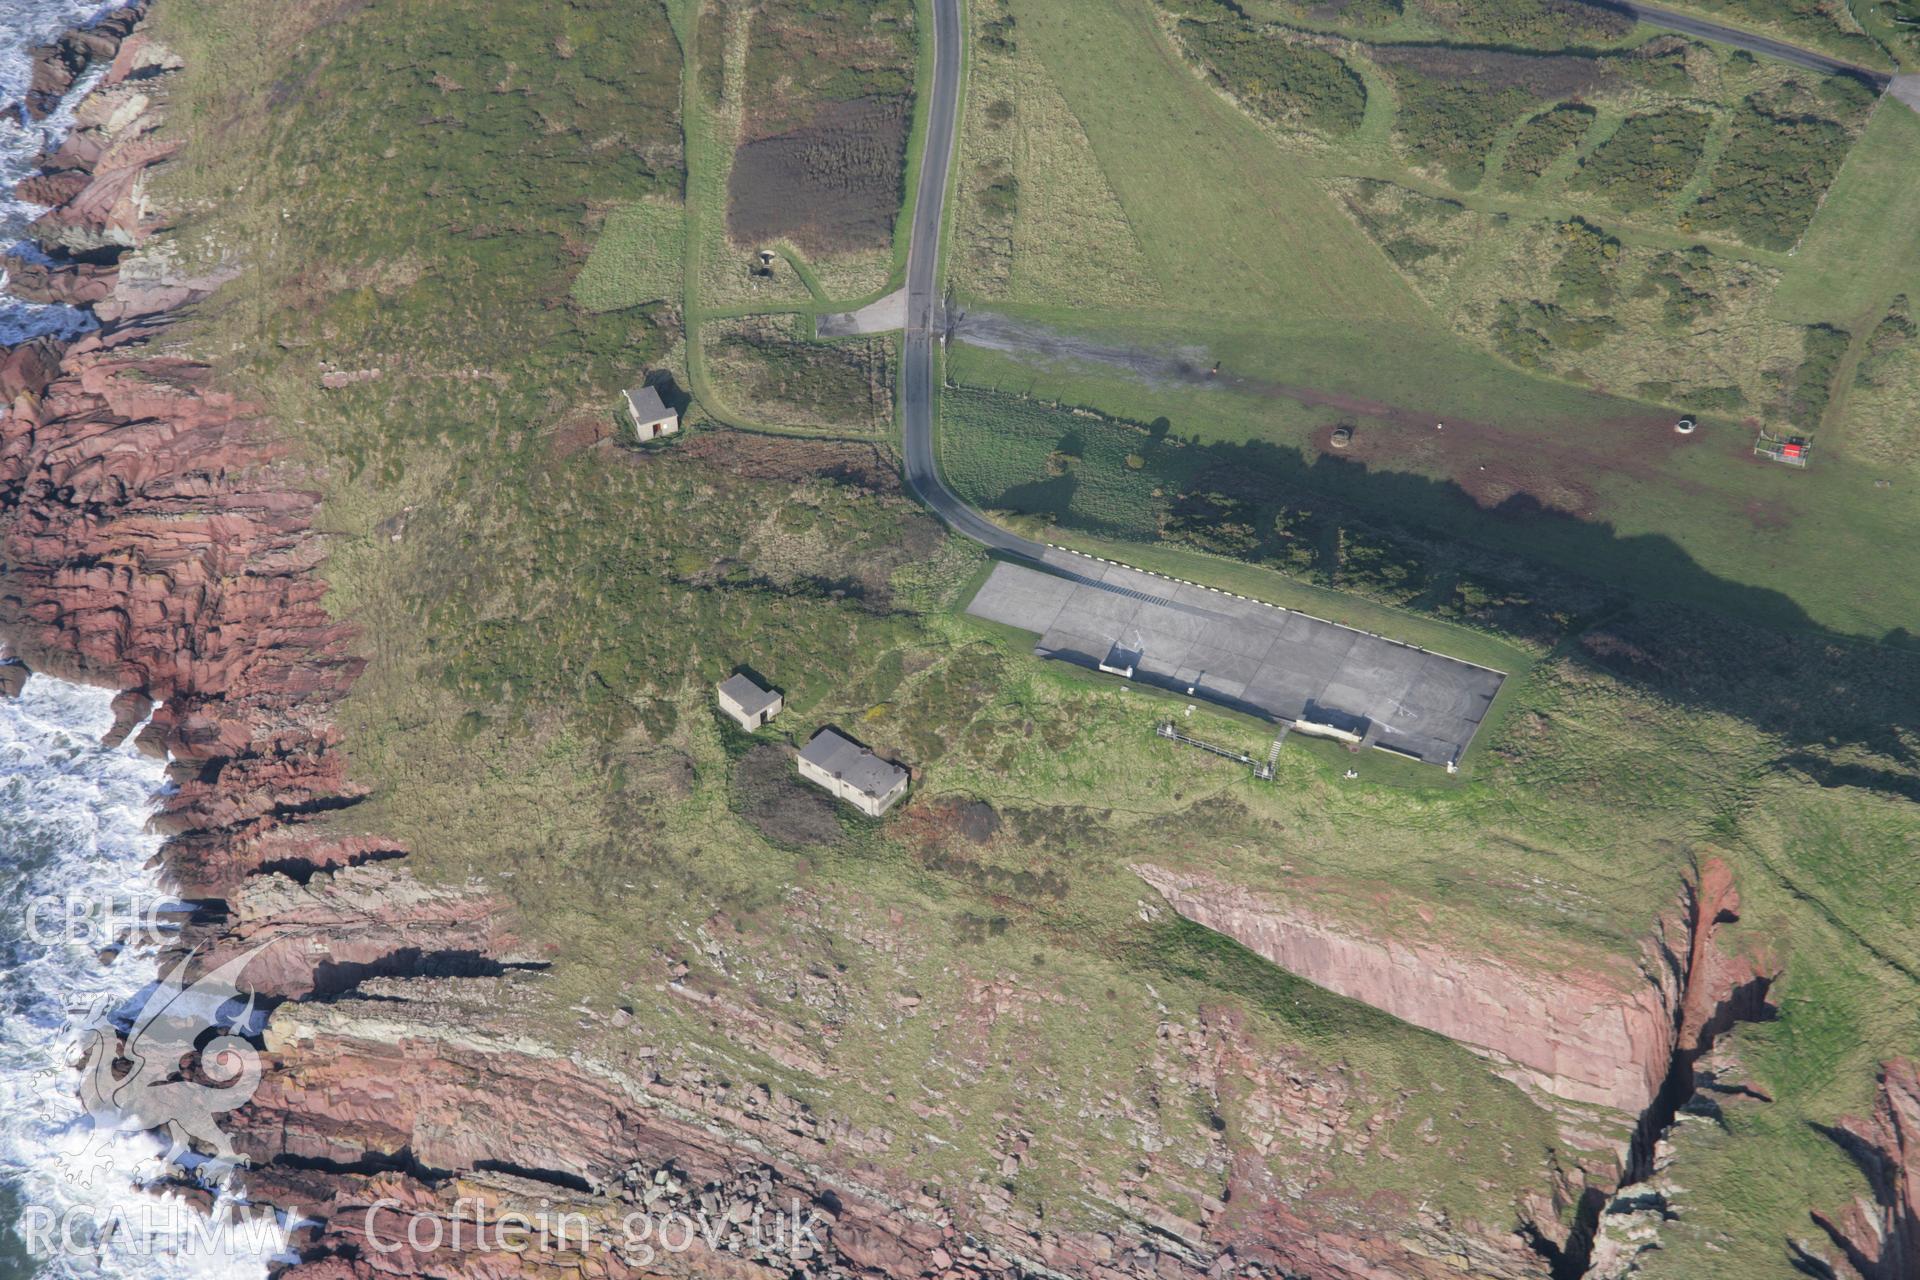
x=923, y=300
x=1687, y=24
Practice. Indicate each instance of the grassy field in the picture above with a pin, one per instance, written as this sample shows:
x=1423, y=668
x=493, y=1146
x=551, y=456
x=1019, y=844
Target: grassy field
x=762, y=370
x=1037, y=220
x=544, y=618
x=1427, y=304
x=635, y=260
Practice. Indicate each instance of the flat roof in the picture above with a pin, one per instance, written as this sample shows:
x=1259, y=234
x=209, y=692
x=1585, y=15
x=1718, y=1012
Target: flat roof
x=1254, y=657
x=646, y=403
x=852, y=763
x=747, y=695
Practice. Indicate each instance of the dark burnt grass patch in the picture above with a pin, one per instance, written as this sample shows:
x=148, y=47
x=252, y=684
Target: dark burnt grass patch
x=830, y=186
x=768, y=793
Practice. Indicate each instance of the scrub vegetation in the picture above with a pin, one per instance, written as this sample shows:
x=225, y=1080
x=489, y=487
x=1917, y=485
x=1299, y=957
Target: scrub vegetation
x=1777, y=164
x=1543, y=140
x=760, y=368
x=1648, y=159
x=544, y=610
x=1289, y=82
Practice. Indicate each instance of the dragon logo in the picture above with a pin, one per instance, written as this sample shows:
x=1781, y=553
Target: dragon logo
x=180, y=1064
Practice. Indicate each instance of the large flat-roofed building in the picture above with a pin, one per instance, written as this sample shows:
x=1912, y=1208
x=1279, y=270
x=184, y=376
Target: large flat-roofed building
x=651, y=417
x=749, y=704
x=852, y=772
x=1319, y=677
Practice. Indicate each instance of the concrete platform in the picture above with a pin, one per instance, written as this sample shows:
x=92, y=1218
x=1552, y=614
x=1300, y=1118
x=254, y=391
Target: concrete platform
x=882, y=316
x=1253, y=657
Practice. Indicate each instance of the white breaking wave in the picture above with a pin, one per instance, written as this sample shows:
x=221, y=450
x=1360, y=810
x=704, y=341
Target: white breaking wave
x=73, y=828
x=23, y=24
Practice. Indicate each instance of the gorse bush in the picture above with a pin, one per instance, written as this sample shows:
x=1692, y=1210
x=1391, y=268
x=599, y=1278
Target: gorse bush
x=1769, y=180
x=1588, y=256
x=1451, y=123
x=1690, y=283
x=1541, y=141
x=1525, y=332
x=1544, y=24
x=1812, y=382
x=1648, y=159
x=1884, y=345
x=1285, y=81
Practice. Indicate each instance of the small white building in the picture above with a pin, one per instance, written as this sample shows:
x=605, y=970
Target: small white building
x=651, y=417
x=852, y=772
x=749, y=704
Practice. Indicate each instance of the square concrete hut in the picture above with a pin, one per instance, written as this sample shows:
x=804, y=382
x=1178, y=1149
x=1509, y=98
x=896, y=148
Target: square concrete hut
x=852, y=772
x=651, y=417
x=750, y=705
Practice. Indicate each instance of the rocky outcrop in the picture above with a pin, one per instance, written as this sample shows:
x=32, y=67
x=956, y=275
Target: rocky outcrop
x=1586, y=1033
x=59, y=63
x=1879, y=1238
x=1583, y=1030
x=153, y=542
x=95, y=182
x=150, y=546
x=1581, y=1034
x=72, y=284
x=422, y=1104
x=340, y=928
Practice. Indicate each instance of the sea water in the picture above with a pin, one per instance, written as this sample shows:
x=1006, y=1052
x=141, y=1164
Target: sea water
x=73, y=831
x=78, y=876
x=24, y=24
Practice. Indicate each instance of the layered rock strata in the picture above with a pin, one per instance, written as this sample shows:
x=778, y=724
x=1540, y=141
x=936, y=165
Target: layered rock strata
x=158, y=536
x=1582, y=1033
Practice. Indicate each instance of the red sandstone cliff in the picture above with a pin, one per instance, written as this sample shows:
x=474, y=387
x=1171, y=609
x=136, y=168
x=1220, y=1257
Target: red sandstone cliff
x=1880, y=1237
x=1581, y=1031
x=385, y=1109
x=59, y=63
x=158, y=536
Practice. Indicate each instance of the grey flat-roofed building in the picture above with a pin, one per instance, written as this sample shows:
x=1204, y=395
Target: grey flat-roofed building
x=1243, y=654
x=749, y=704
x=651, y=417
x=852, y=772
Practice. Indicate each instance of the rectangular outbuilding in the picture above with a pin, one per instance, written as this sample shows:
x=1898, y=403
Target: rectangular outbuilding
x=741, y=697
x=852, y=772
x=651, y=417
